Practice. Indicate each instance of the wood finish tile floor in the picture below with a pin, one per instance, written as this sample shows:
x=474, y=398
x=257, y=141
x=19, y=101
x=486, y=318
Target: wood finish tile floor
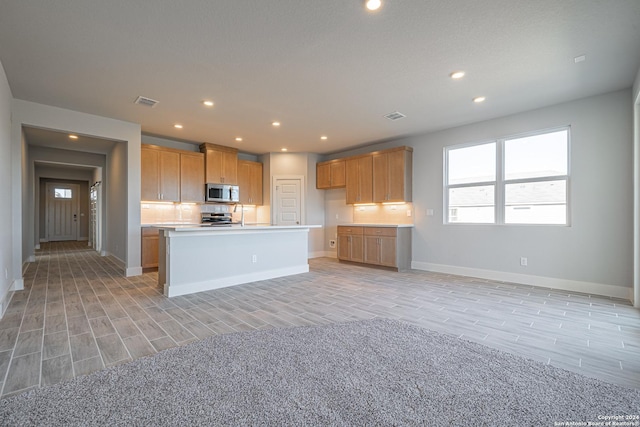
x=79, y=314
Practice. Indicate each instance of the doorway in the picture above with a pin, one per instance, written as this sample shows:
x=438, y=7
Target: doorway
x=288, y=206
x=61, y=211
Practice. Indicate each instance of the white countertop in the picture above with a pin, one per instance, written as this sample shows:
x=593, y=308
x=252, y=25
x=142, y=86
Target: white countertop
x=232, y=227
x=378, y=225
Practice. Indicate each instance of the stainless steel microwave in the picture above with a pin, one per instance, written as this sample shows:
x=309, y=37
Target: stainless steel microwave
x=222, y=193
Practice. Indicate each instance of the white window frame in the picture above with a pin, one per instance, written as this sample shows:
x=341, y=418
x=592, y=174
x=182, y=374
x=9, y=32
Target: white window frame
x=500, y=182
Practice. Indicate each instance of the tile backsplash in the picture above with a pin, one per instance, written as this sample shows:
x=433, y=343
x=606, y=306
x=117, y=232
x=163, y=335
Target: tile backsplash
x=170, y=213
x=383, y=214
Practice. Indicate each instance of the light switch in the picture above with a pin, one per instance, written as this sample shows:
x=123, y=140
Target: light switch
x=429, y=212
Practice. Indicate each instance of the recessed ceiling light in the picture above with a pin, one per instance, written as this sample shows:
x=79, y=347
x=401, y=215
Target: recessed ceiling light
x=323, y=137
x=457, y=75
x=373, y=4
x=177, y=126
x=276, y=124
x=283, y=149
x=208, y=103
x=73, y=136
x=580, y=58
x=479, y=99
x=238, y=139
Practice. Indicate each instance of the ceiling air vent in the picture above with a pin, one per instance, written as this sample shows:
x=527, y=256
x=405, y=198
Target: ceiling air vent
x=147, y=102
x=396, y=115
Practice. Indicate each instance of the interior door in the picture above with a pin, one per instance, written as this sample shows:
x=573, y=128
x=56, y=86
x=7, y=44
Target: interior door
x=288, y=202
x=62, y=211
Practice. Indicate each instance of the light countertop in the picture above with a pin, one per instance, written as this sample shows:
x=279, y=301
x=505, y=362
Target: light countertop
x=232, y=227
x=378, y=225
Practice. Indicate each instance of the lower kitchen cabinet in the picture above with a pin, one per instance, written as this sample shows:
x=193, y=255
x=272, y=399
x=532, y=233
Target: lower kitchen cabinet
x=382, y=246
x=150, y=241
x=350, y=244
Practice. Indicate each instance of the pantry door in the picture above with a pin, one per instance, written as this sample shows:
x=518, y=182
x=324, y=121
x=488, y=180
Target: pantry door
x=62, y=211
x=288, y=201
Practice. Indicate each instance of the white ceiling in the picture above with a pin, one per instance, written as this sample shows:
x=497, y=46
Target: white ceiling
x=321, y=68
x=60, y=140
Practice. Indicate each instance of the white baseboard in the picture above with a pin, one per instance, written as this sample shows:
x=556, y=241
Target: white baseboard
x=133, y=271
x=526, y=279
x=37, y=246
x=17, y=285
x=32, y=258
x=104, y=253
x=44, y=240
x=189, y=288
x=322, y=254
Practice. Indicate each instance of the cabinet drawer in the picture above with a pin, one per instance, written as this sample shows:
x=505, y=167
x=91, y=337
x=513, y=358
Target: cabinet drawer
x=381, y=231
x=150, y=232
x=350, y=230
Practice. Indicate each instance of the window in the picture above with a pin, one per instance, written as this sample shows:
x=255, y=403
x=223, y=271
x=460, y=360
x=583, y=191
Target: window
x=520, y=180
x=62, y=193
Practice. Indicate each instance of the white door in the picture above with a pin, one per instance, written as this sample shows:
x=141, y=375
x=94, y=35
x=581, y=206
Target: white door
x=62, y=211
x=288, y=202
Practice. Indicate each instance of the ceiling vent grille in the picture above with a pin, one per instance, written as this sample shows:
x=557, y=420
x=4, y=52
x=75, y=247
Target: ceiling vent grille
x=396, y=115
x=147, y=102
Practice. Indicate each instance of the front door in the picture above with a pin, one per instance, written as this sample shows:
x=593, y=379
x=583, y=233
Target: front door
x=288, y=202
x=62, y=211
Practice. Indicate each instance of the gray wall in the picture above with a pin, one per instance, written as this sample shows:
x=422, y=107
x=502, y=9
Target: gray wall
x=6, y=207
x=595, y=249
x=116, y=199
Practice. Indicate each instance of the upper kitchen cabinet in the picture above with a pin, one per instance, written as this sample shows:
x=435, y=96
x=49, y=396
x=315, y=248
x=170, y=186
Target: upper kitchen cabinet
x=392, y=171
x=221, y=164
x=330, y=174
x=160, y=174
x=359, y=179
x=192, y=177
x=250, y=182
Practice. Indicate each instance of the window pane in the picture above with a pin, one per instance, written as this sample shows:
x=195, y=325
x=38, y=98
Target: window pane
x=472, y=204
x=536, y=156
x=472, y=164
x=536, y=202
x=62, y=193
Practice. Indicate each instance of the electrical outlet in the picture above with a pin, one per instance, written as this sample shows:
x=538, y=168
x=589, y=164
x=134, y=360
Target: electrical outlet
x=6, y=276
x=337, y=216
x=332, y=243
x=429, y=212
x=254, y=259
x=523, y=261
x=409, y=212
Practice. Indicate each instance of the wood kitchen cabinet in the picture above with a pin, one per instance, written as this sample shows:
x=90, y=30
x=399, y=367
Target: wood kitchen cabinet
x=160, y=175
x=392, y=175
x=350, y=244
x=359, y=179
x=149, y=250
x=381, y=246
x=250, y=182
x=221, y=164
x=192, y=177
x=330, y=174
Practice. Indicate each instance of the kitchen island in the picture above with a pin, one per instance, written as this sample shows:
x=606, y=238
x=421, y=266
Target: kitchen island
x=200, y=258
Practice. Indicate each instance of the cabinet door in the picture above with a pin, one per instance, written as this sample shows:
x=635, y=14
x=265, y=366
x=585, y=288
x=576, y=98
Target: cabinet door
x=149, y=175
x=357, y=248
x=149, y=250
x=344, y=247
x=244, y=181
x=323, y=175
x=338, y=178
x=352, y=181
x=169, y=176
x=396, y=176
x=387, y=246
x=230, y=167
x=214, y=174
x=371, y=250
x=255, y=178
x=192, y=178
x=365, y=172
x=380, y=177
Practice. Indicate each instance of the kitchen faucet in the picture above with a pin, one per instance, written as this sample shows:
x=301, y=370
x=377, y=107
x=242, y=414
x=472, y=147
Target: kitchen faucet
x=241, y=213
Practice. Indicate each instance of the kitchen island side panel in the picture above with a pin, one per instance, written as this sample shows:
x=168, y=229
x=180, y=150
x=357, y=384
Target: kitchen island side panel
x=200, y=261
